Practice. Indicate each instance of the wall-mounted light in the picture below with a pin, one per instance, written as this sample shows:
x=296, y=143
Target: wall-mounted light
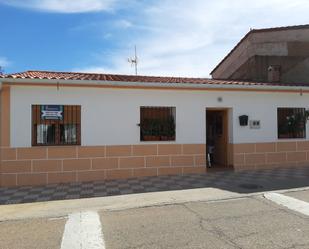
x=243, y=120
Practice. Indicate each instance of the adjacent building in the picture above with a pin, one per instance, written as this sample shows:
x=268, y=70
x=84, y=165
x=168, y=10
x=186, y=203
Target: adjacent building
x=269, y=55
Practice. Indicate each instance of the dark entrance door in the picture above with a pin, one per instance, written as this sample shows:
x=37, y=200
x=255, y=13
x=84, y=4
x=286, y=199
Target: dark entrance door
x=217, y=137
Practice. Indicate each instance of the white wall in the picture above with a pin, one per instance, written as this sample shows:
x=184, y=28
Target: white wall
x=110, y=116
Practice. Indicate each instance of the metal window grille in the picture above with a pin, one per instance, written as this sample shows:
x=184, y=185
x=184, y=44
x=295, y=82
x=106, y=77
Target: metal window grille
x=157, y=123
x=291, y=123
x=63, y=131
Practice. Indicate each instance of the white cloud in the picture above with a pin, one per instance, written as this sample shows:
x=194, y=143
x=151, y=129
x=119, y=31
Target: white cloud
x=188, y=38
x=124, y=24
x=4, y=62
x=63, y=6
x=178, y=38
x=107, y=36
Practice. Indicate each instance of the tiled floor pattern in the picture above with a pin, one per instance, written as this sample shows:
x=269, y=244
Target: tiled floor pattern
x=241, y=182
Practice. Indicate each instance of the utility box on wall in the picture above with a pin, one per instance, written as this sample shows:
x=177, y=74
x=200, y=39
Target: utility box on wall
x=255, y=124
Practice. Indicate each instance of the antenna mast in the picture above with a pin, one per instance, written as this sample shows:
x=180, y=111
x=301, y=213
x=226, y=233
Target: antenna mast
x=134, y=61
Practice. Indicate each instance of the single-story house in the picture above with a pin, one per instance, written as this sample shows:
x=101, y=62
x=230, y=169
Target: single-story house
x=59, y=127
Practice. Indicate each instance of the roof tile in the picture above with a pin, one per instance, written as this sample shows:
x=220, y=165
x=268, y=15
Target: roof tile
x=133, y=78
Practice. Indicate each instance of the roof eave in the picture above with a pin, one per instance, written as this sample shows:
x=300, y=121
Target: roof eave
x=232, y=51
x=196, y=86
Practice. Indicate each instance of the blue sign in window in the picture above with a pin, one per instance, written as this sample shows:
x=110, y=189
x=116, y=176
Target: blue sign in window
x=52, y=112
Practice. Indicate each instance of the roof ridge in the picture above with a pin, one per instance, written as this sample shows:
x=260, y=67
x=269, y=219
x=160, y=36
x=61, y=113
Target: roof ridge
x=107, y=74
x=281, y=28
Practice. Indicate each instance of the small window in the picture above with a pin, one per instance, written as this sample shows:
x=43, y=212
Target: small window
x=55, y=125
x=274, y=73
x=291, y=123
x=157, y=123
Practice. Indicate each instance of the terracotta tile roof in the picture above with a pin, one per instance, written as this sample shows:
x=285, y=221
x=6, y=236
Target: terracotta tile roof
x=48, y=75
x=295, y=27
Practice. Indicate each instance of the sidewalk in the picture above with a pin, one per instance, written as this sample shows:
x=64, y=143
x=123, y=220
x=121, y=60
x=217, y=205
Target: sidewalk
x=237, y=182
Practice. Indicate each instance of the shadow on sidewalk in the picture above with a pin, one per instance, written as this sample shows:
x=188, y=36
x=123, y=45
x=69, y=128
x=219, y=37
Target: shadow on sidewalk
x=239, y=182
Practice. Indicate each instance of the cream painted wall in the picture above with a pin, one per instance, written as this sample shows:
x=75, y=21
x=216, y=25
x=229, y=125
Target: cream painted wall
x=110, y=116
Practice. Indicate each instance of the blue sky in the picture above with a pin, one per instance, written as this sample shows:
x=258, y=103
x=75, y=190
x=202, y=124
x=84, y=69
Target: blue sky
x=173, y=37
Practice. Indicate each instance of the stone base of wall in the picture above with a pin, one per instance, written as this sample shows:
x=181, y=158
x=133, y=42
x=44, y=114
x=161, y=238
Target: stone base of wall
x=270, y=155
x=48, y=165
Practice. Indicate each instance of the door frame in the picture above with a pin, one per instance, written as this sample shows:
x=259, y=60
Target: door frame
x=226, y=131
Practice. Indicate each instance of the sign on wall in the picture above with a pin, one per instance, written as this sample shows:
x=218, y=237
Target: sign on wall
x=52, y=112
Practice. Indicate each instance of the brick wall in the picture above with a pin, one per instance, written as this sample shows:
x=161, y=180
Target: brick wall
x=270, y=155
x=47, y=165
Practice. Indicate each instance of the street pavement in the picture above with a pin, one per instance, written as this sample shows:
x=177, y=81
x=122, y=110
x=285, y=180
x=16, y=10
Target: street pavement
x=231, y=221
x=241, y=223
x=32, y=233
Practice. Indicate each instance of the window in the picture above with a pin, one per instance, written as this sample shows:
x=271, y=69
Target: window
x=292, y=122
x=55, y=125
x=274, y=73
x=157, y=123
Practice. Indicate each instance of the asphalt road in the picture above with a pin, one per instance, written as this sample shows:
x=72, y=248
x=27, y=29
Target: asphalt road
x=246, y=223
x=250, y=222
x=32, y=233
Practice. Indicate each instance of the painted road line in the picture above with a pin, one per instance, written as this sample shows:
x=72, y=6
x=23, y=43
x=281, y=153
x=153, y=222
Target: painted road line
x=83, y=231
x=289, y=202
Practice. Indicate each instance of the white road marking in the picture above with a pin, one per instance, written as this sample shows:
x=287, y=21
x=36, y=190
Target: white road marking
x=83, y=231
x=289, y=202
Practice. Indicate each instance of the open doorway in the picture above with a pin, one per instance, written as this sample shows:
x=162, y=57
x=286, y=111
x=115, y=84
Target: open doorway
x=217, y=138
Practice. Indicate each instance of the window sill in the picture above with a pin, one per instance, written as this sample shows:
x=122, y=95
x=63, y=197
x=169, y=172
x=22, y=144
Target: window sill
x=292, y=139
x=55, y=145
x=158, y=142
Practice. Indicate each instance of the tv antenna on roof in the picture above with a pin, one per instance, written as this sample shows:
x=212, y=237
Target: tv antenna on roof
x=134, y=60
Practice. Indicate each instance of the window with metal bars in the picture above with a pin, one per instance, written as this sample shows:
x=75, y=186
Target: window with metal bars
x=157, y=123
x=56, y=125
x=291, y=123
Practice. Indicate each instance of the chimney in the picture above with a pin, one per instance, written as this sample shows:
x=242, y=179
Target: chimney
x=274, y=73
